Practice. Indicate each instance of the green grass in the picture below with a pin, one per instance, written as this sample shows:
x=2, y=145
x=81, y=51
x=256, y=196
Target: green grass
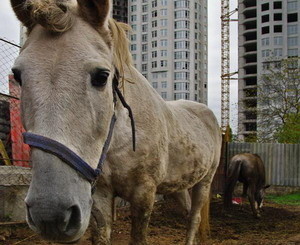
x=290, y=199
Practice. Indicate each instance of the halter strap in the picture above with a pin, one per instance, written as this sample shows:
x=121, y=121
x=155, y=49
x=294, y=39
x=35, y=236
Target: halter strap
x=71, y=158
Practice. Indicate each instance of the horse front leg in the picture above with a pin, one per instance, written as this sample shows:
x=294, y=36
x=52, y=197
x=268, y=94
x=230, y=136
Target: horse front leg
x=141, y=205
x=102, y=217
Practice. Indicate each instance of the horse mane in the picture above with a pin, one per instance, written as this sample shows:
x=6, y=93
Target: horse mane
x=57, y=18
x=122, y=56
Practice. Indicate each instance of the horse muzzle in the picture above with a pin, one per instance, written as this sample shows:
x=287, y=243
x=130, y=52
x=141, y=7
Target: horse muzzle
x=54, y=224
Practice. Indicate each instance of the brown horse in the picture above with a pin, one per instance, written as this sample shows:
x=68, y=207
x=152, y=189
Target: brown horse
x=249, y=169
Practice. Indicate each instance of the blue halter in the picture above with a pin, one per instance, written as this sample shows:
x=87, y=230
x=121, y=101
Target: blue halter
x=70, y=157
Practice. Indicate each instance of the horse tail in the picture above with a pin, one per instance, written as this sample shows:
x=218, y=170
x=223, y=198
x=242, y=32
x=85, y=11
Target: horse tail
x=204, y=228
x=232, y=178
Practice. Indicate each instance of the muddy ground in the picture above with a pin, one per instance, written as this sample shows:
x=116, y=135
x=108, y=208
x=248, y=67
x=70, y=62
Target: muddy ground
x=280, y=224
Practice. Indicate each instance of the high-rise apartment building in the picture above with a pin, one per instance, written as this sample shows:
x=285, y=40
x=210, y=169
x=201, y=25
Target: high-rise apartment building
x=169, y=46
x=269, y=31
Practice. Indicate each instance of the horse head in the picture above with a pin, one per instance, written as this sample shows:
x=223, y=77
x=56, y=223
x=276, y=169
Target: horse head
x=66, y=71
x=260, y=195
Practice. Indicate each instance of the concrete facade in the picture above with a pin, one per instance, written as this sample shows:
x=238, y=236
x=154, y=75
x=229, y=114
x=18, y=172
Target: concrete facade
x=268, y=32
x=169, y=46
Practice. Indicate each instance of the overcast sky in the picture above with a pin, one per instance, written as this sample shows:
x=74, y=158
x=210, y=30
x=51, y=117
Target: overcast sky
x=9, y=29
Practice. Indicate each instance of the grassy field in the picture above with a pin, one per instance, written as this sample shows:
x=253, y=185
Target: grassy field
x=290, y=199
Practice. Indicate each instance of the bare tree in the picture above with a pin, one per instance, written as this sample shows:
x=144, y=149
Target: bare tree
x=278, y=98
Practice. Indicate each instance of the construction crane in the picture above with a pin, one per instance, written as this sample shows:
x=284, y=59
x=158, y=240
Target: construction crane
x=225, y=63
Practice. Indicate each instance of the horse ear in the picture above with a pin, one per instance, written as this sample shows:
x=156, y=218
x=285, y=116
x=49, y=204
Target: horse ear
x=96, y=12
x=22, y=12
x=267, y=186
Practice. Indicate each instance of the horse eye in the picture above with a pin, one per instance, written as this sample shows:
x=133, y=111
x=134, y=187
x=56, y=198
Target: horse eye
x=17, y=75
x=99, y=77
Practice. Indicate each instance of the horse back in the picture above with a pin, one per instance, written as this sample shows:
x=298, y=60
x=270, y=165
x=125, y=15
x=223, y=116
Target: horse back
x=251, y=168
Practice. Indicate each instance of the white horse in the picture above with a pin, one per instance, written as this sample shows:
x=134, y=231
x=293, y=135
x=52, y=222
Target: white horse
x=69, y=70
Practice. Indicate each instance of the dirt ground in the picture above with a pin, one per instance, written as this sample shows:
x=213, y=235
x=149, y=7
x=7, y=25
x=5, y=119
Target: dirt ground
x=280, y=224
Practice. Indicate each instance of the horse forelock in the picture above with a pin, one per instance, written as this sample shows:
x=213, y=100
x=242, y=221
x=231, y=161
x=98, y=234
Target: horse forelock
x=54, y=15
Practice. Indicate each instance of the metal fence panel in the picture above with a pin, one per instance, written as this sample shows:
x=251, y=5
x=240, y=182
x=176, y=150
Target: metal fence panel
x=282, y=161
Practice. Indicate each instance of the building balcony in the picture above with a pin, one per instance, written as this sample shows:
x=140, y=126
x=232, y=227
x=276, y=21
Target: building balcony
x=249, y=21
x=250, y=12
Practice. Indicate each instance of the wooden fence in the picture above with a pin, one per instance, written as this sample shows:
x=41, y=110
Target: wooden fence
x=282, y=161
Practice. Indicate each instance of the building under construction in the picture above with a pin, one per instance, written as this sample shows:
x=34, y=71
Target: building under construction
x=268, y=32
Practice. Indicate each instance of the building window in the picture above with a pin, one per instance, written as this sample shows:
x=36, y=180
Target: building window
x=154, y=13
x=278, y=40
x=182, y=4
x=145, y=57
x=265, y=41
x=154, y=23
x=183, y=96
x=133, y=18
x=265, y=30
x=154, y=84
x=133, y=27
x=182, y=24
x=163, y=53
x=133, y=8
x=144, y=47
x=163, y=12
x=292, y=29
x=144, y=37
x=154, y=34
x=154, y=3
x=293, y=52
x=133, y=37
x=277, y=5
x=277, y=16
x=164, y=84
x=144, y=27
x=164, y=42
x=145, y=8
x=292, y=41
x=181, y=34
x=133, y=47
x=154, y=54
x=144, y=67
x=181, y=55
x=144, y=18
x=277, y=28
x=182, y=45
x=163, y=63
x=265, y=7
x=181, y=86
x=293, y=17
x=182, y=75
x=163, y=32
x=164, y=95
x=265, y=53
x=154, y=44
x=164, y=2
x=292, y=6
x=278, y=52
x=181, y=65
x=164, y=22
x=182, y=14
x=265, y=18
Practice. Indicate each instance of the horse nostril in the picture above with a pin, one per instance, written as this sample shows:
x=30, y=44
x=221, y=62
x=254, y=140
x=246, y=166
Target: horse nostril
x=72, y=220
